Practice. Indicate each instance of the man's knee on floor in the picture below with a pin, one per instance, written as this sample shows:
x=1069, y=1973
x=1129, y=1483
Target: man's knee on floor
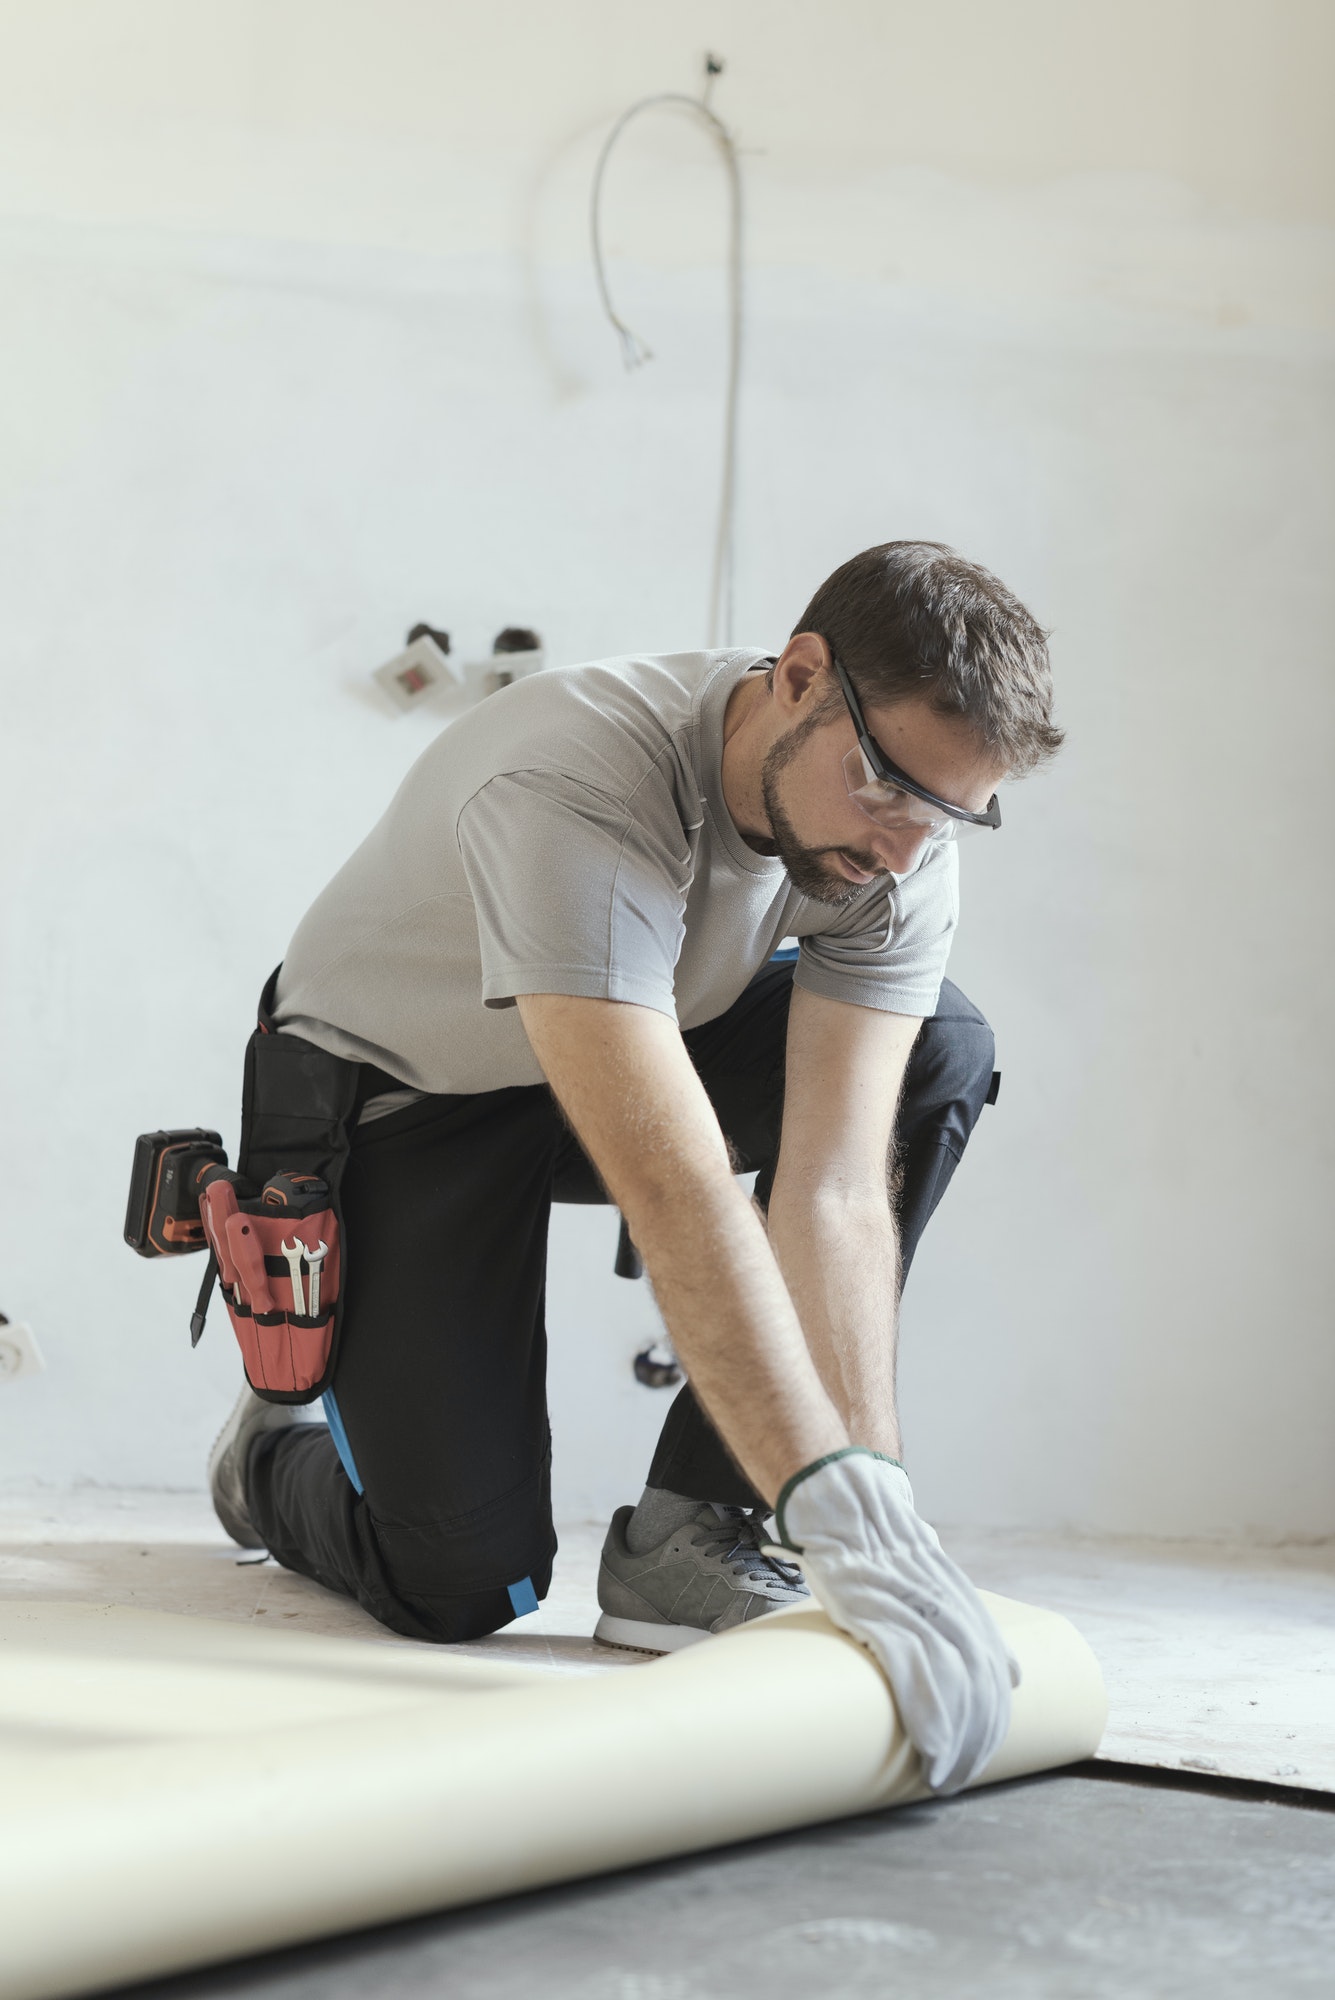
x=450, y=1620
x=448, y=1586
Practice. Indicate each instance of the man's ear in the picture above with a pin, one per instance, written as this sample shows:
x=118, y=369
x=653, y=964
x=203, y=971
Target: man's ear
x=801, y=674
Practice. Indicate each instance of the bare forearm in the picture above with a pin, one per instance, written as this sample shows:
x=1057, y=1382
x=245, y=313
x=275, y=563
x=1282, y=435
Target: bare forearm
x=838, y=1251
x=733, y=1324
x=628, y=1087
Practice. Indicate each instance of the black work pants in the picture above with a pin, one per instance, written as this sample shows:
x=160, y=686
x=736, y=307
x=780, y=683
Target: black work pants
x=442, y=1364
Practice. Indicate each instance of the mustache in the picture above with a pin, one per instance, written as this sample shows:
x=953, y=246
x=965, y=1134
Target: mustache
x=809, y=870
x=868, y=863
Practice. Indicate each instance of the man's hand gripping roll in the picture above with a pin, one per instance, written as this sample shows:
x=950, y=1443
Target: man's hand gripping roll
x=882, y=1576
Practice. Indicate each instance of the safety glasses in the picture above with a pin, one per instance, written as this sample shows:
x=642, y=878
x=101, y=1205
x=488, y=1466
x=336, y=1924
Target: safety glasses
x=890, y=797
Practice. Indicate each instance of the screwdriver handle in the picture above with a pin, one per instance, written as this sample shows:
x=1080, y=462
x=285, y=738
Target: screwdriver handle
x=248, y=1257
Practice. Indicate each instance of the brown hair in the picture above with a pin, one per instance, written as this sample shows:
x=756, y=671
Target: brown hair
x=915, y=621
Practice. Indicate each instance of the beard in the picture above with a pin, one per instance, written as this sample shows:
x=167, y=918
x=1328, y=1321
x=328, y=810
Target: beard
x=807, y=870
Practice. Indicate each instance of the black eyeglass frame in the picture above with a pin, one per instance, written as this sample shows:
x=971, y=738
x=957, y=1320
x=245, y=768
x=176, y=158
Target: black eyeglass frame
x=890, y=774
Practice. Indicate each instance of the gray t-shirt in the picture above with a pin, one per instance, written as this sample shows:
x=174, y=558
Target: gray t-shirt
x=569, y=835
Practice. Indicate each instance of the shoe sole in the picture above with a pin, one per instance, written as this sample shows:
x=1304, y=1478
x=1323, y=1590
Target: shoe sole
x=239, y=1525
x=637, y=1635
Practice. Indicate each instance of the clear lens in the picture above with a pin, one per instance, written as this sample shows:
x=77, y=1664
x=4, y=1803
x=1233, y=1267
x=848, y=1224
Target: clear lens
x=889, y=805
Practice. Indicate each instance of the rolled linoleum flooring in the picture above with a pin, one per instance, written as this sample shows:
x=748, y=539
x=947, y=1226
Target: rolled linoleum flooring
x=175, y=1792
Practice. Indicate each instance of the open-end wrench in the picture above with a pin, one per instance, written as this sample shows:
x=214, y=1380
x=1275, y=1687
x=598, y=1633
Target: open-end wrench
x=294, y=1252
x=315, y=1258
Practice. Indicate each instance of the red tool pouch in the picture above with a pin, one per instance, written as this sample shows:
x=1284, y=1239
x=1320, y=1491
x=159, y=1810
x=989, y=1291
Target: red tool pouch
x=298, y=1110
x=279, y=1276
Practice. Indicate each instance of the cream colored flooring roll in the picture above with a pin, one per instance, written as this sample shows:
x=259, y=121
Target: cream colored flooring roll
x=175, y=1792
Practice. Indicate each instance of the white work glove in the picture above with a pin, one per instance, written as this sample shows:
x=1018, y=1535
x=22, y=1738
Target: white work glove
x=882, y=1576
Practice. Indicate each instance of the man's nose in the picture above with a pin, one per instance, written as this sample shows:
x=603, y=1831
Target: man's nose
x=898, y=848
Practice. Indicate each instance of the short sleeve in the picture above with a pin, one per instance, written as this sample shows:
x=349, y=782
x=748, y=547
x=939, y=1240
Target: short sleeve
x=572, y=895
x=889, y=949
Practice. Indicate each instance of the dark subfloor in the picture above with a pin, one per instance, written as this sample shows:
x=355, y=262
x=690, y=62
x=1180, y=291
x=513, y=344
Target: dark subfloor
x=1088, y=1885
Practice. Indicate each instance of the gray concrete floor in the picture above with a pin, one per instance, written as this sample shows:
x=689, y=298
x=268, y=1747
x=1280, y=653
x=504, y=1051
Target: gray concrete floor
x=1080, y=1886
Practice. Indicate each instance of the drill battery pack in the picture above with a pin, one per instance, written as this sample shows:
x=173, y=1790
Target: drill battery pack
x=162, y=1218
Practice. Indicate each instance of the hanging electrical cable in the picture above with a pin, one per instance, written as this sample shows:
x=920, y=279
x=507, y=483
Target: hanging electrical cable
x=635, y=351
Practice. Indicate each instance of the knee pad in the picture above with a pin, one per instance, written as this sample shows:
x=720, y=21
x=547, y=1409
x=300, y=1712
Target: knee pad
x=464, y=1577
x=449, y=1620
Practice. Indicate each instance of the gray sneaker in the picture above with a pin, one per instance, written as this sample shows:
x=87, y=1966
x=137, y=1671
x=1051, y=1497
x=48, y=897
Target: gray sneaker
x=705, y=1578
x=227, y=1461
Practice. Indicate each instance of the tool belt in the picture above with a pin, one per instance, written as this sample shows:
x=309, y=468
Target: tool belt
x=274, y=1226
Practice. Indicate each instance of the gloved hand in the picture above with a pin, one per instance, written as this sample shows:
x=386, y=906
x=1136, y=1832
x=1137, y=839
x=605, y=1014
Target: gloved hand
x=882, y=1576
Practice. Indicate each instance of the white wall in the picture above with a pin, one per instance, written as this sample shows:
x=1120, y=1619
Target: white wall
x=300, y=344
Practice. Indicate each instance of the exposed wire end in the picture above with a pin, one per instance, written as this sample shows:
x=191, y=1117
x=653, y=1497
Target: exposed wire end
x=634, y=351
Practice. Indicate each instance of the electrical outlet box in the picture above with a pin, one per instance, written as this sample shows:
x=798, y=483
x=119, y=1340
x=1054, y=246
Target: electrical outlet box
x=514, y=666
x=418, y=673
x=19, y=1352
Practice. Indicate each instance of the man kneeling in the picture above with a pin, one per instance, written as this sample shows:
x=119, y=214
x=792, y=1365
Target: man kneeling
x=554, y=961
